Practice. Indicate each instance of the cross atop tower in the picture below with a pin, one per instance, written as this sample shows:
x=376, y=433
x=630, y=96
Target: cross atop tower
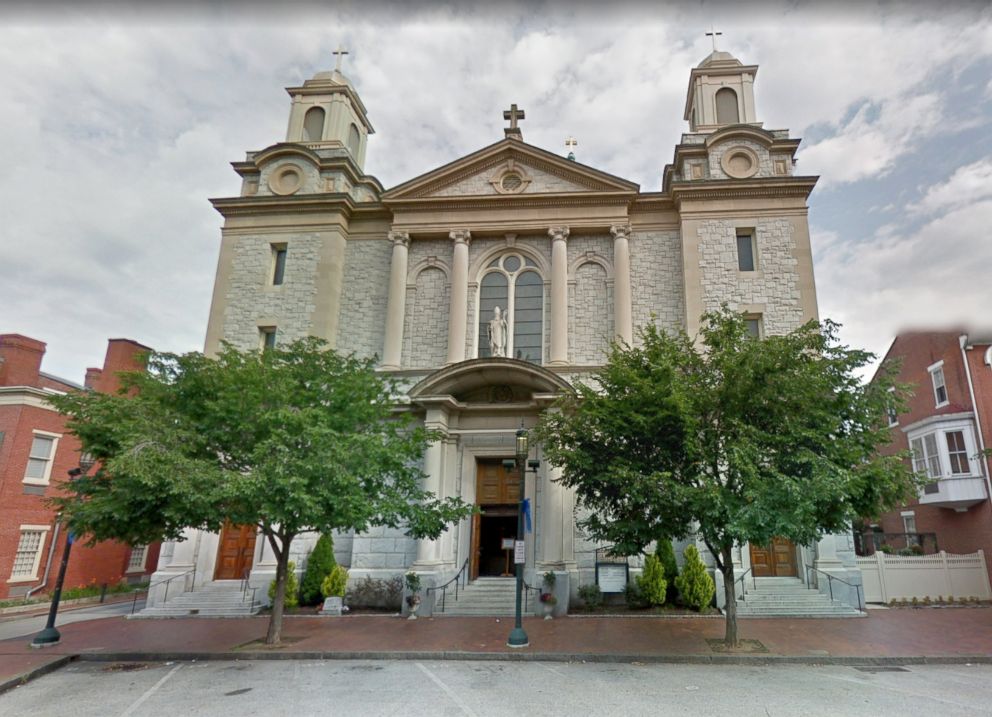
x=570, y=144
x=513, y=114
x=712, y=34
x=340, y=52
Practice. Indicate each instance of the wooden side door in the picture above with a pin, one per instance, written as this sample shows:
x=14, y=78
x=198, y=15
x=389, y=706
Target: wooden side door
x=236, y=551
x=473, y=568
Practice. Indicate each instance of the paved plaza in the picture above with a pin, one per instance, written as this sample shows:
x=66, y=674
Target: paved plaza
x=426, y=687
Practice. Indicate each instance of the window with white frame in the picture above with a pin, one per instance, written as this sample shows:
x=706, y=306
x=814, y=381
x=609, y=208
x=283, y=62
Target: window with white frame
x=947, y=451
x=139, y=556
x=28, y=553
x=512, y=284
x=890, y=409
x=908, y=522
x=939, y=387
x=41, y=457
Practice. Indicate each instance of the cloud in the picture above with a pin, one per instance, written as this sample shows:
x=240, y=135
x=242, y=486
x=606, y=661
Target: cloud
x=968, y=184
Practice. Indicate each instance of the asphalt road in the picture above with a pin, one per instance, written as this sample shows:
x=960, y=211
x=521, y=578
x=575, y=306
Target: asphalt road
x=12, y=626
x=300, y=688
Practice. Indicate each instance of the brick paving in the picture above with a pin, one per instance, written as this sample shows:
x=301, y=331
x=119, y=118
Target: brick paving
x=899, y=633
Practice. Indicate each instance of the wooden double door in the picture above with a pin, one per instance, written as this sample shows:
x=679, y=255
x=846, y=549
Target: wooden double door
x=236, y=551
x=497, y=494
x=777, y=560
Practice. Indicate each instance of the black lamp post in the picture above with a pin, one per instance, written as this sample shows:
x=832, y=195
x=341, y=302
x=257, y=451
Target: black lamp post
x=50, y=636
x=518, y=638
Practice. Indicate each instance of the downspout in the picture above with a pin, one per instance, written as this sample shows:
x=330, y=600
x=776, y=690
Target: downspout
x=48, y=563
x=962, y=340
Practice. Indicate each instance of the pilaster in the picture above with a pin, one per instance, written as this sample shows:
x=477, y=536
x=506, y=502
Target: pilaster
x=396, y=302
x=459, y=296
x=559, y=296
x=622, y=312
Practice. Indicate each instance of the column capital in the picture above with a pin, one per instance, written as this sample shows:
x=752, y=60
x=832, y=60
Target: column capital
x=397, y=236
x=557, y=233
x=620, y=231
x=460, y=236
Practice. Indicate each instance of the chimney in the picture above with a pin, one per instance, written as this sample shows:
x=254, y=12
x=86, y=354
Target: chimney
x=20, y=360
x=122, y=355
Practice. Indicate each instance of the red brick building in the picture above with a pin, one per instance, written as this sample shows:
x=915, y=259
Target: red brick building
x=36, y=453
x=947, y=427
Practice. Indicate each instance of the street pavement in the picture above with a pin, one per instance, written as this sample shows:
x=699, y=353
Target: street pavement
x=479, y=688
x=14, y=626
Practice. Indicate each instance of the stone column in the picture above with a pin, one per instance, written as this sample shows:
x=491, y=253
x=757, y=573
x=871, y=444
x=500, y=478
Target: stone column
x=559, y=296
x=396, y=303
x=552, y=521
x=429, y=551
x=622, y=323
x=459, y=296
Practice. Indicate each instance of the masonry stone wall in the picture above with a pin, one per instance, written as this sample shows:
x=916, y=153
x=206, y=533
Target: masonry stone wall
x=365, y=290
x=383, y=548
x=252, y=298
x=477, y=184
x=775, y=284
x=426, y=327
x=717, y=151
x=312, y=182
x=657, y=286
x=590, y=319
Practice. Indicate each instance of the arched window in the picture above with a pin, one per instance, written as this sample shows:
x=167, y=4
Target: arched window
x=313, y=125
x=512, y=284
x=354, y=140
x=726, y=106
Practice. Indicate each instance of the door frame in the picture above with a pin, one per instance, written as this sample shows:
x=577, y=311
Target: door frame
x=246, y=554
x=770, y=549
x=475, y=547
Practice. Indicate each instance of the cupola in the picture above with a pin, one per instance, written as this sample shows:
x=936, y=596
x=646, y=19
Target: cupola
x=721, y=93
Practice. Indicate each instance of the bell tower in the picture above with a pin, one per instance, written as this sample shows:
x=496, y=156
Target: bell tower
x=721, y=93
x=327, y=112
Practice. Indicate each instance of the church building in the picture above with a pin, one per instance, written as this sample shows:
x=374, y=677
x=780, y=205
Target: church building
x=491, y=285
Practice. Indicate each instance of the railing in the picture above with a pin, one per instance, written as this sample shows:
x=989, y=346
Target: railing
x=245, y=587
x=741, y=581
x=830, y=583
x=165, y=582
x=463, y=573
x=527, y=589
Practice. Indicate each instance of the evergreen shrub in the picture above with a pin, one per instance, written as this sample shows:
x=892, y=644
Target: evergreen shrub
x=695, y=585
x=666, y=554
x=292, y=587
x=652, y=582
x=336, y=583
x=319, y=566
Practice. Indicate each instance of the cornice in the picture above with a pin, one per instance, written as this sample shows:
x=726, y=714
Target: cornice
x=507, y=201
x=754, y=188
x=253, y=166
x=298, y=204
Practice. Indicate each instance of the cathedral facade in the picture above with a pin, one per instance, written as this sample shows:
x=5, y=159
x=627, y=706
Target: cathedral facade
x=489, y=286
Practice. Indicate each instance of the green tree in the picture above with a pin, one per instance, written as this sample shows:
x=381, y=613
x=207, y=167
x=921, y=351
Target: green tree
x=735, y=438
x=666, y=554
x=652, y=582
x=319, y=566
x=291, y=439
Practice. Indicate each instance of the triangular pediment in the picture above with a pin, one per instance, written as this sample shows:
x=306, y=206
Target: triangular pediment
x=506, y=169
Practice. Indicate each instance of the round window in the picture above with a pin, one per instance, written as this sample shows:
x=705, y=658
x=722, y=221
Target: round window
x=511, y=182
x=739, y=162
x=511, y=263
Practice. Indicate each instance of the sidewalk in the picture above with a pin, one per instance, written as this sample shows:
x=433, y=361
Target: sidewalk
x=899, y=635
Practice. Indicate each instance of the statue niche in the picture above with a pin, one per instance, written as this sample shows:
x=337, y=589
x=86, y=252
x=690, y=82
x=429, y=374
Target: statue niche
x=497, y=334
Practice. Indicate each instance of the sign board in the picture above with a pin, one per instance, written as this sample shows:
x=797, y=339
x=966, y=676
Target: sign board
x=508, y=543
x=518, y=553
x=611, y=577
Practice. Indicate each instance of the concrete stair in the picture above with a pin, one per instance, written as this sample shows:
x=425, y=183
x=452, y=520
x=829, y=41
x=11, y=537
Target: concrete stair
x=482, y=596
x=789, y=597
x=224, y=598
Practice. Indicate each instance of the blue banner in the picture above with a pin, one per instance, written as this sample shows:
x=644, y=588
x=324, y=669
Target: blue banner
x=527, y=514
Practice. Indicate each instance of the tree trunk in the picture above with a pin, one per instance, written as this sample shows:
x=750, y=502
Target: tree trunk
x=730, y=596
x=274, y=633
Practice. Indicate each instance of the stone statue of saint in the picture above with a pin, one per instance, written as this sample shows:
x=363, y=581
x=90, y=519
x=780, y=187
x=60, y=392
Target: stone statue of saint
x=497, y=334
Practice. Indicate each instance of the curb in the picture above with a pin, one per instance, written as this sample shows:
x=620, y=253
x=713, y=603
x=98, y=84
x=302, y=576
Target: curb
x=35, y=673
x=763, y=659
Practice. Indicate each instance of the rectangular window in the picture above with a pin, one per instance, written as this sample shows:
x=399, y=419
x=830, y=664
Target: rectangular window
x=39, y=467
x=890, y=412
x=957, y=453
x=925, y=456
x=753, y=325
x=28, y=553
x=266, y=337
x=939, y=387
x=745, y=250
x=139, y=555
x=278, y=263
x=908, y=523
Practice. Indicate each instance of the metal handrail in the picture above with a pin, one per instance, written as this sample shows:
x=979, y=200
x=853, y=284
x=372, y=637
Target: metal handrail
x=741, y=581
x=830, y=583
x=444, y=588
x=527, y=589
x=165, y=582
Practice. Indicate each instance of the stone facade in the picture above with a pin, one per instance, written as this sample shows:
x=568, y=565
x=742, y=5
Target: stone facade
x=535, y=181
x=656, y=275
x=363, y=297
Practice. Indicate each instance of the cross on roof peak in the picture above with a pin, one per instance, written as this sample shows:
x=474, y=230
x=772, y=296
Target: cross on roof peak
x=340, y=52
x=513, y=114
x=712, y=34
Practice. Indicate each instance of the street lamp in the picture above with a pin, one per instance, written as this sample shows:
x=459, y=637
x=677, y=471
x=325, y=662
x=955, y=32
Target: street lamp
x=518, y=638
x=50, y=636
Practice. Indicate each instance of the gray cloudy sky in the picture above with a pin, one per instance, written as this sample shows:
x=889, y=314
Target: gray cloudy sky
x=119, y=124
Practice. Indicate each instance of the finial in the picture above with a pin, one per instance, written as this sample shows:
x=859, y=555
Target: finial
x=712, y=35
x=340, y=52
x=513, y=114
x=570, y=144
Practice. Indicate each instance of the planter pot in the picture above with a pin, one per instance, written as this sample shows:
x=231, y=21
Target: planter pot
x=548, y=609
x=413, y=611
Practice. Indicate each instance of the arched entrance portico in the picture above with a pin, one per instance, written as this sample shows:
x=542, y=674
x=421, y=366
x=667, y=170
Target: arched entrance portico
x=477, y=407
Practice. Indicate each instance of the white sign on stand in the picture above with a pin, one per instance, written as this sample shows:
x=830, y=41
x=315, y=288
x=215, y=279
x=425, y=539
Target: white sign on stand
x=518, y=553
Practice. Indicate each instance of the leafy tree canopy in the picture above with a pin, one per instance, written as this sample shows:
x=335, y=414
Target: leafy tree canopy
x=736, y=438
x=291, y=439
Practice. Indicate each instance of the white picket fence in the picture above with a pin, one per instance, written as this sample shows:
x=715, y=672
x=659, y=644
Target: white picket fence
x=894, y=577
